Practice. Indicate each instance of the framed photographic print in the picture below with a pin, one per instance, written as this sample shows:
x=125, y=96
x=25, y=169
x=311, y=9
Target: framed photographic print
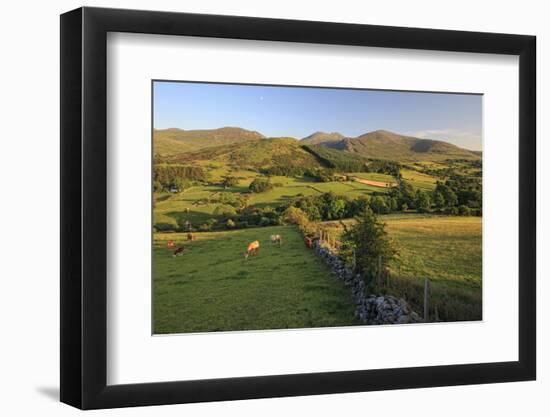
x=258, y=207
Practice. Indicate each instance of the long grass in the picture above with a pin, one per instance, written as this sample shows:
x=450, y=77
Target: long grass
x=445, y=250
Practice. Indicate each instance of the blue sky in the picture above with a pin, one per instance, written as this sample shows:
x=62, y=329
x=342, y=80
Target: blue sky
x=300, y=111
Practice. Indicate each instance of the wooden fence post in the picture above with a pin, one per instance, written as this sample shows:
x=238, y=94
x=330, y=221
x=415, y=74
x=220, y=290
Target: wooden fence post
x=379, y=271
x=426, y=300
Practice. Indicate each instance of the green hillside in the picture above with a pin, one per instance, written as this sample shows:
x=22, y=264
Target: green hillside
x=173, y=141
x=259, y=154
x=334, y=158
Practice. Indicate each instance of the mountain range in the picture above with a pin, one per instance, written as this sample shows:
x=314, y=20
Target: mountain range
x=380, y=144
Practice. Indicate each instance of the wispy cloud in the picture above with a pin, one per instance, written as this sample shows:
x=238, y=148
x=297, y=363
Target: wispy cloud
x=463, y=138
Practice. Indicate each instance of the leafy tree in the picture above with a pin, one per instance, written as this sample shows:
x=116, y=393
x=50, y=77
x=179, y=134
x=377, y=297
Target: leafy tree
x=259, y=185
x=230, y=224
x=438, y=199
x=392, y=203
x=422, y=201
x=229, y=181
x=367, y=241
x=463, y=210
x=357, y=206
x=378, y=205
x=406, y=194
x=206, y=227
x=336, y=209
x=224, y=211
x=449, y=195
x=311, y=206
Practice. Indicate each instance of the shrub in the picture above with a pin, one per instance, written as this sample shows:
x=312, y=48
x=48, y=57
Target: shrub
x=378, y=205
x=183, y=225
x=165, y=227
x=464, y=210
x=229, y=181
x=422, y=201
x=225, y=211
x=259, y=185
x=264, y=221
x=206, y=227
x=294, y=215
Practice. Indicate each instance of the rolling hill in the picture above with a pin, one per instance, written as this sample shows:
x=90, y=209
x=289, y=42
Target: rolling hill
x=265, y=153
x=175, y=141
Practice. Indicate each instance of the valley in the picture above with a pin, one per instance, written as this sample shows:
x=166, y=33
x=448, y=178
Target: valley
x=230, y=186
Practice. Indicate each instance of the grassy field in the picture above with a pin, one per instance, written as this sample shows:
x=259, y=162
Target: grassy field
x=419, y=180
x=438, y=248
x=447, y=251
x=212, y=288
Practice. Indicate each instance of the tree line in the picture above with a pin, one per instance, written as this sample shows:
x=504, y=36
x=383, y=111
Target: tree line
x=176, y=177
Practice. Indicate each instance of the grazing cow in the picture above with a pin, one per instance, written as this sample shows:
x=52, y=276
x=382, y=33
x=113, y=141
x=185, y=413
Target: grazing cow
x=178, y=251
x=190, y=236
x=276, y=239
x=170, y=244
x=253, y=249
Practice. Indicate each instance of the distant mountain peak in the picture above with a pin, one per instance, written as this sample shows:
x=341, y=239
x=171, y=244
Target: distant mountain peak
x=323, y=138
x=384, y=144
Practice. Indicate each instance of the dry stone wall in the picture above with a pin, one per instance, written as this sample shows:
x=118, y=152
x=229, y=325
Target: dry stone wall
x=370, y=309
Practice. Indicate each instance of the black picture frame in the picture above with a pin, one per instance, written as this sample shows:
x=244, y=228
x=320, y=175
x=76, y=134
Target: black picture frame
x=84, y=207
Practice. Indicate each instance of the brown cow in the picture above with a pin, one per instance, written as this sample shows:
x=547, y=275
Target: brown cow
x=190, y=236
x=178, y=251
x=253, y=249
x=170, y=244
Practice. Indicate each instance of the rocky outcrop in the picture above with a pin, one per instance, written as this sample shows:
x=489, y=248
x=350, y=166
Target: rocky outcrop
x=370, y=309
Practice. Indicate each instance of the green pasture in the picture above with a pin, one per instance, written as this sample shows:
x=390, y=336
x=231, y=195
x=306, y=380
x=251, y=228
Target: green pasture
x=211, y=287
x=374, y=176
x=446, y=250
x=419, y=180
